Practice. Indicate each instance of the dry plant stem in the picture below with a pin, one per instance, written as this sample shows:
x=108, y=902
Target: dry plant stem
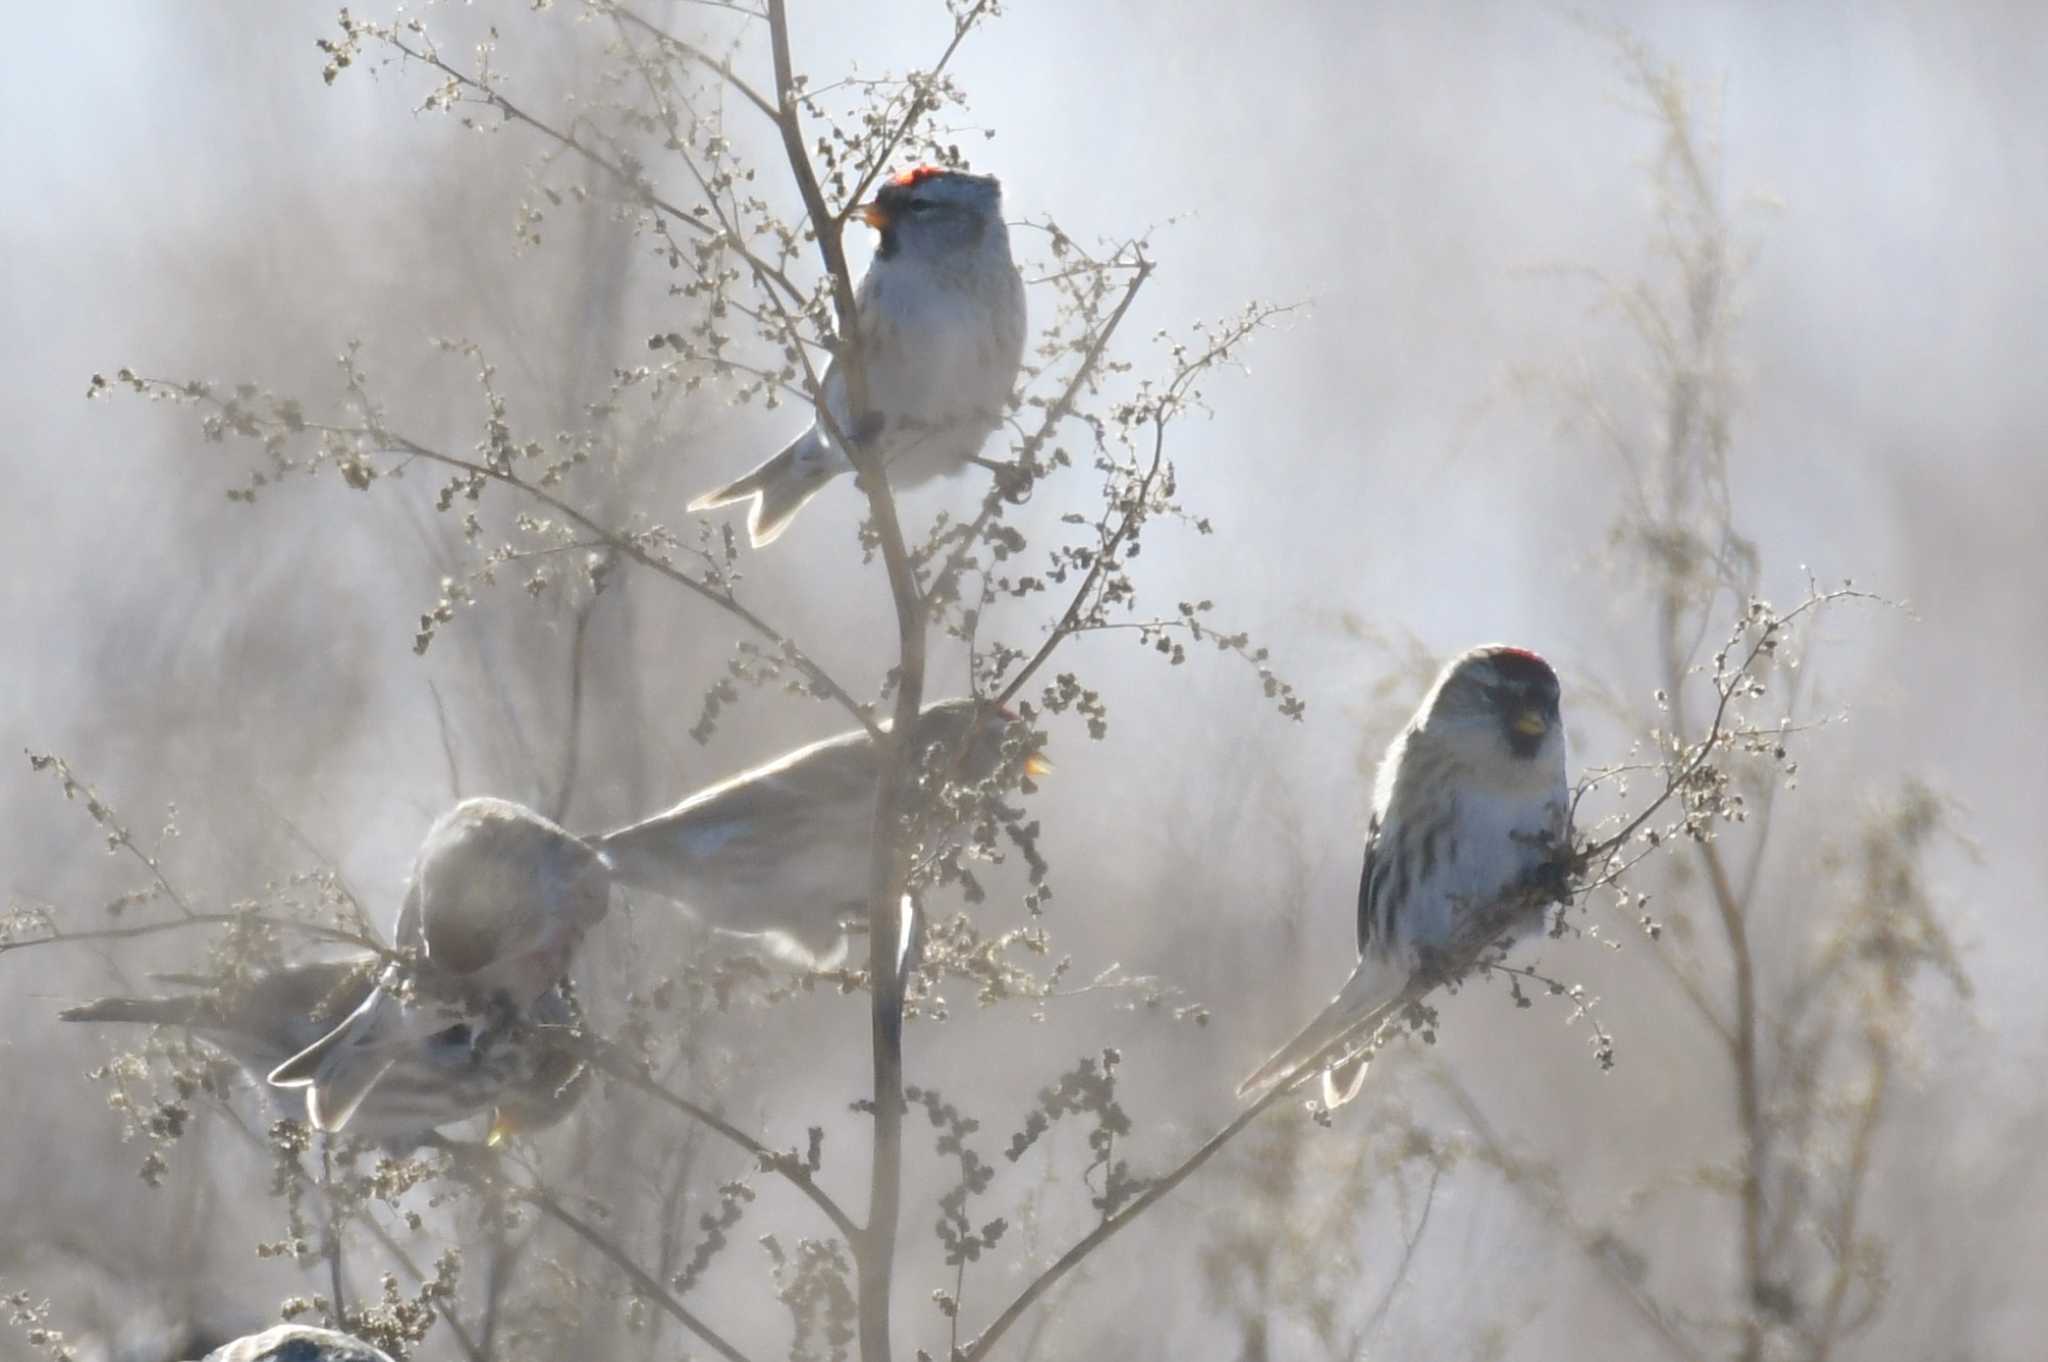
x=819, y=677
x=876, y=1247
x=378, y=1232
x=1831, y=1331
x=962, y=26
x=199, y=920
x=1878, y=1037
x=330, y=1246
x=1457, y=960
x=1054, y=414
x=447, y=744
x=1379, y=1314
x=611, y=1061
x=1748, y=1099
x=1716, y=733
x=640, y=188
x=1104, y=560
x=642, y=1283
x=565, y=786
x=1096, y=1237
x=1556, y=1212
x=719, y=65
x=1733, y=913
x=825, y=224
x=391, y=441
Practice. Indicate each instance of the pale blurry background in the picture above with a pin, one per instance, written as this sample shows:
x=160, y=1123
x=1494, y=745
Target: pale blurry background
x=184, y=196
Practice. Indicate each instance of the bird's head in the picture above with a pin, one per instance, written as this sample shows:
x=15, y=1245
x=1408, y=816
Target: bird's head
x=928, y=213
x=1498, y=705
x=993, y=740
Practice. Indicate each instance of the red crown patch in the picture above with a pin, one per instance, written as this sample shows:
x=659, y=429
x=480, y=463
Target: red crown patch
x=916, y=175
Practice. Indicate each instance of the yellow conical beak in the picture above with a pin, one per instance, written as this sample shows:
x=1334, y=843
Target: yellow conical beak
x=1531, y=723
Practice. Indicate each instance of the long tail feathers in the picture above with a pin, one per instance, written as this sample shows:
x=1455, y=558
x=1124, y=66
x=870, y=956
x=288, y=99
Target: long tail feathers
x=330, y=1104
x=340, y=1068
x=779, y=489
x=1365, y=997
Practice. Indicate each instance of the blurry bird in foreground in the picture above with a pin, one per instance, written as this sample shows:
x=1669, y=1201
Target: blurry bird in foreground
x=1469, y=809
x=780, y=853
x=296, y=1343
x=500, y=899
x=527, y=1075
x=939, y=326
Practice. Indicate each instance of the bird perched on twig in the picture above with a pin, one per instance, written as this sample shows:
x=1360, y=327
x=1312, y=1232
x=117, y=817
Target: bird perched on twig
x=522, y=1075
x=780, y=853
x=1470, y=810
x=500, y=898
x=939, y=335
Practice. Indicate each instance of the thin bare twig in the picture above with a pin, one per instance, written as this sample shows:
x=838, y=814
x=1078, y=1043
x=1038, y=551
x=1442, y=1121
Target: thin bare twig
x=1105, y=559
x=642, y=1282
x=876, y=1248
x=719, y=65
x=565, y=785
x=1594, y=1245
x=919, y=103
x=1379, y=1313
x=142, y=929
x=1101, y=1234
x=1054, y=414
x=613, y=1061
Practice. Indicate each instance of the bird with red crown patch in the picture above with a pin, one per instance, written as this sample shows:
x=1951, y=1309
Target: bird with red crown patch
x=1470, y=809
x=938, y=333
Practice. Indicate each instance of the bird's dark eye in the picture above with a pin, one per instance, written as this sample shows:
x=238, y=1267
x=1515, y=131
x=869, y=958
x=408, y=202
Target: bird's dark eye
x=457, y=1034
x=917, y=206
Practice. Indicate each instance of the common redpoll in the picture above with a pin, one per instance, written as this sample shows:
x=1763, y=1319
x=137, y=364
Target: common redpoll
x=1469, y=810
x=939, y=322
x=526, y=1074
x=780, y=853
x=500, y=899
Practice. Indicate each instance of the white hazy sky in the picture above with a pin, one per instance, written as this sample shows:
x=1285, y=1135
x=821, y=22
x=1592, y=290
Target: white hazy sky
x=1406, y=171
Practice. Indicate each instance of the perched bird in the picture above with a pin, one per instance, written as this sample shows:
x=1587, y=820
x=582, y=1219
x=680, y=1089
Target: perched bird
x=939, y=331
x=780, y=853
x=500, y=898
x=526, y=1075
x=1470, y=809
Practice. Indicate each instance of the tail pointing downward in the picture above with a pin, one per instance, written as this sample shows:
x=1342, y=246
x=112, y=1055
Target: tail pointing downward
x=340, y=1068
x=779, y=489
x=1373, y=987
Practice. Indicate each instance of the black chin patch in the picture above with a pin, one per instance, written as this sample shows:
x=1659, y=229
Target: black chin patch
x=1523, y=745
x=888, y=246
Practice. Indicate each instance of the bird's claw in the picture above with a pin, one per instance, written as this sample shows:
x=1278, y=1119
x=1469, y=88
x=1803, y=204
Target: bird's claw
x=1551, y=880
x=1014, y=481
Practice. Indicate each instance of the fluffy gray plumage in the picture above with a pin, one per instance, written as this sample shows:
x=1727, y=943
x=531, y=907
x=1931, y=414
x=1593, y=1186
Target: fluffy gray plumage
x=779, y=854
x=940, y=325
x=500, y=899
x=1471, y=805
x=448, y=1076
